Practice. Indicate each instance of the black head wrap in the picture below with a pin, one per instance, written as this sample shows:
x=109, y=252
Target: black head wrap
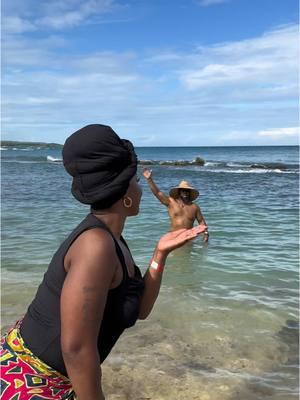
x=101, y=164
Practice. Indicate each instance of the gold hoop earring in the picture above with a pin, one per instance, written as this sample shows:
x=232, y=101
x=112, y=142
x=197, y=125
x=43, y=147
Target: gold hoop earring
x=127, y=202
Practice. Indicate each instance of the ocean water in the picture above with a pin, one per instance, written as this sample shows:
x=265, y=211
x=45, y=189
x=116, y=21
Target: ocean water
x=225, y=326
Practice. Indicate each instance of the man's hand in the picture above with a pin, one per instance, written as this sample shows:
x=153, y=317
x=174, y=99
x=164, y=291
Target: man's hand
x=205, y=236
x=147, y=173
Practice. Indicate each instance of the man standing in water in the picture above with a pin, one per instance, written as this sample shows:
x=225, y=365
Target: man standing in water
x=182, y=211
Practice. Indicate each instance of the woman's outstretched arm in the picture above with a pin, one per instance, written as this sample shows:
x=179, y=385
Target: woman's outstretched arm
x=153, y=275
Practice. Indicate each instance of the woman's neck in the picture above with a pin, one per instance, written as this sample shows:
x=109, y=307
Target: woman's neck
x=114, y=221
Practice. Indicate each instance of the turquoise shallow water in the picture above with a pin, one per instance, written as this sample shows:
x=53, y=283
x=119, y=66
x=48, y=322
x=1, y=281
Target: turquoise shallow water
x=226, y=322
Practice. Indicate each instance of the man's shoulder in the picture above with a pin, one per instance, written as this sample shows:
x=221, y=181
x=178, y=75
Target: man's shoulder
x=172, y=200
x=195, y=207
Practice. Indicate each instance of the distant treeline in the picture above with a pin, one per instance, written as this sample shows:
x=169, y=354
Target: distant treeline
x=21, y=145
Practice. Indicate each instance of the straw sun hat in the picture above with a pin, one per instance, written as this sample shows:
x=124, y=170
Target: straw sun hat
x=174, y=192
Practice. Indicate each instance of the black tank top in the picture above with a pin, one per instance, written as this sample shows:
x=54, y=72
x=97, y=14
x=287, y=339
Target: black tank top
x=40, y=328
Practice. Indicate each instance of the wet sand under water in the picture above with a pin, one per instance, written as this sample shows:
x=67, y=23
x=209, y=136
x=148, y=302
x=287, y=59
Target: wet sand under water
x=206, y=353
x=151, y=362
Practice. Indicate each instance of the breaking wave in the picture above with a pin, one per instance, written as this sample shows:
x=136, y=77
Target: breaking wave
x=198, y=163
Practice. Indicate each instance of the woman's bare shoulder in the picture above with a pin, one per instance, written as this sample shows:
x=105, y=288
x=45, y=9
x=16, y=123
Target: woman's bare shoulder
x=92, y=245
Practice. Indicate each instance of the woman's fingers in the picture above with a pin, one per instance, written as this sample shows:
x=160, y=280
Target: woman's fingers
x=178, y=232
x=199, y=228
x=177, y=238
x=193, y=232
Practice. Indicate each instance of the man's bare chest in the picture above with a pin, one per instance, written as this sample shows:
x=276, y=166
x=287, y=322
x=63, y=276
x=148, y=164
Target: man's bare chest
x=186, y=211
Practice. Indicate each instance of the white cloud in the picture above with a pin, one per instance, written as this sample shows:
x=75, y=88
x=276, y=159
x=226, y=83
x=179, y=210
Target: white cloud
x=206, y=3
x=56, y=15
x=16, y=24
x=205, y=96
x=75, y=14
x=21, y=52
x=265, y=60
x=279, y=133
x=32, y=101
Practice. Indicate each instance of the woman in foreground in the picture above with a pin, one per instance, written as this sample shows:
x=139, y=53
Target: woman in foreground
x=92, y=290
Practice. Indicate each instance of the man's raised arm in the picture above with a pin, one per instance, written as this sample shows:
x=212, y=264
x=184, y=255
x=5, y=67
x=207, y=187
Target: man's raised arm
x=154, y=189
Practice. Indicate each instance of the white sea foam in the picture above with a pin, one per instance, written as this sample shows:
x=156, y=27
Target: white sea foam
x=254, y=171
x=53, y=159
x=236, y=165
x=234, y=171
x=211, y=164
x=27, y=162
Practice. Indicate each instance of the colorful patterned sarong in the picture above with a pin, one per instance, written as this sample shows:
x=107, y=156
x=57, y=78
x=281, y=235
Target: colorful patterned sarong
x=26, y=377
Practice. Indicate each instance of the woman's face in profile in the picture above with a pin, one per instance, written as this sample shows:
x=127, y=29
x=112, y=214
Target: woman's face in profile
x=135, y=193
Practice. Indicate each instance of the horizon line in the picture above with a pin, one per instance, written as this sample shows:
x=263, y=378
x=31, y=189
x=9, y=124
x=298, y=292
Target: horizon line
x=153, y=146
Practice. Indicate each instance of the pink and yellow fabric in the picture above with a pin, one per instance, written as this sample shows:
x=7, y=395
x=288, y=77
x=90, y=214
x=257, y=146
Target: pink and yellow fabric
x=26, y=377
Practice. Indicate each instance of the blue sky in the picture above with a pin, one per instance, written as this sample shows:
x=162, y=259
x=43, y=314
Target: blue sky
x=160, y=72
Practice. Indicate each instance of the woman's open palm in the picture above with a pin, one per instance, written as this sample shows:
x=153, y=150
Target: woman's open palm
x=172, y=240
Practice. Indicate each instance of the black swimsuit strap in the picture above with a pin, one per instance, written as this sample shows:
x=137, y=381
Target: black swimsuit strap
x=119, y=251
x=121, y=257
x=124, y=242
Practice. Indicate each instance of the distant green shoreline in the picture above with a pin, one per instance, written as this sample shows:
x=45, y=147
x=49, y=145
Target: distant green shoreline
x=44, y=145
x=16, y=144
